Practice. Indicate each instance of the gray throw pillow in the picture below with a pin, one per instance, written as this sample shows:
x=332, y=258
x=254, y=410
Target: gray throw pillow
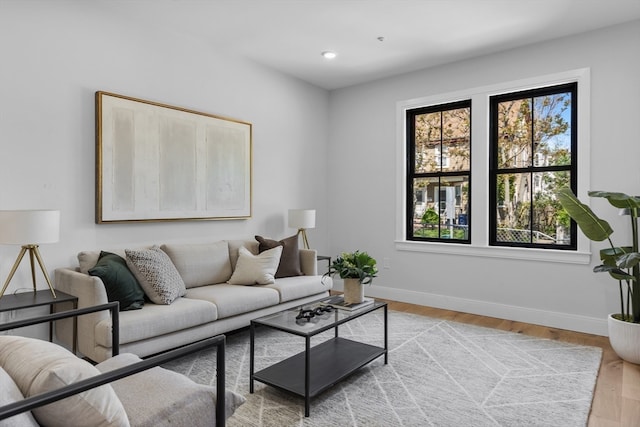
x=156, y=274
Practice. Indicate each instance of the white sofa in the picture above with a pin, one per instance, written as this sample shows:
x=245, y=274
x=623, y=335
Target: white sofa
x=208, y=306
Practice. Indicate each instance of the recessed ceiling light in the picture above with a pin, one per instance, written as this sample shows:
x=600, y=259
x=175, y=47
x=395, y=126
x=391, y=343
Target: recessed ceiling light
x=327, y=54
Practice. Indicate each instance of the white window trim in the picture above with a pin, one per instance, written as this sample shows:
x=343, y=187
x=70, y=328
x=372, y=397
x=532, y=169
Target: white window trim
x=480, y=169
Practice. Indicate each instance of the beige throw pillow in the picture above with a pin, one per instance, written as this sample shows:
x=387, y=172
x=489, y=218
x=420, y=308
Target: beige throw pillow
x=256, y=269
x=156, y=274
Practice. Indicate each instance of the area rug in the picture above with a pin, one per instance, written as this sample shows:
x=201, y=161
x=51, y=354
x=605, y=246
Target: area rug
x=440, y=373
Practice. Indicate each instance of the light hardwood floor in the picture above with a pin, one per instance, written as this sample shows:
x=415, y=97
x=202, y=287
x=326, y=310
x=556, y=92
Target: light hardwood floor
x=616, y=402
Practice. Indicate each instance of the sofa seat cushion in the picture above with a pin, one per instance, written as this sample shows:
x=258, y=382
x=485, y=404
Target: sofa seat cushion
x=159, y=397
x=235, y=299
x=202, y=263
x=157, y=319
x=291, y=288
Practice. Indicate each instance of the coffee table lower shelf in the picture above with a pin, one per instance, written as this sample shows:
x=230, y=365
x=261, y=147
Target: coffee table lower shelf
x=330, y=362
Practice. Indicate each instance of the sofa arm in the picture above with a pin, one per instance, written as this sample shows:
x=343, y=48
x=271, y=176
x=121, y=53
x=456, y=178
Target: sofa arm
x=90, y=292
x=309, y=262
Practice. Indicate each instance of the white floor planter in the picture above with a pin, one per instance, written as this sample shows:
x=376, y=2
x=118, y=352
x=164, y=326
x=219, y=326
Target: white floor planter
x=625, y=339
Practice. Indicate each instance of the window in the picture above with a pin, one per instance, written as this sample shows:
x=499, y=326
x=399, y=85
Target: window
x=426, y=167
x=439, y=172
x=532, y=154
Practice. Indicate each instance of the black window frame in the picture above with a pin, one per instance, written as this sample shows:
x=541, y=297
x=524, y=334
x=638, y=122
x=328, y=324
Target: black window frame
x=411, y=174
x=493, y=162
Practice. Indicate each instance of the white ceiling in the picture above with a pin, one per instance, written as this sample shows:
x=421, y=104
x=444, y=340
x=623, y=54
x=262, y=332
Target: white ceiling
x=289, y=35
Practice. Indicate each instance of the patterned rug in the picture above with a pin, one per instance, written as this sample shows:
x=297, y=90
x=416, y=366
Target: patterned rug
x=440, y=373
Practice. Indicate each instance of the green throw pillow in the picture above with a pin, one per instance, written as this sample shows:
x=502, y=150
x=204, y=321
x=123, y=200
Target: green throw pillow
x=120, y=284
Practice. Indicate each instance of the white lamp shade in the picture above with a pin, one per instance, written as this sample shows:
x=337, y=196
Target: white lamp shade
x=302, y=218
x=28, y=227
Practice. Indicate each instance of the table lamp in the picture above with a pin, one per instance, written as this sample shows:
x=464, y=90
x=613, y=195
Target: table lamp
x=29, y=228
x=302, y=219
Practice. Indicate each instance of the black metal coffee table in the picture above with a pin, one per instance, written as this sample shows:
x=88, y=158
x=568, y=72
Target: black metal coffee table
x=317, y=368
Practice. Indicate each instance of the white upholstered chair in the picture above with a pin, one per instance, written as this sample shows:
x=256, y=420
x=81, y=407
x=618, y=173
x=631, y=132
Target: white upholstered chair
x=42, y=383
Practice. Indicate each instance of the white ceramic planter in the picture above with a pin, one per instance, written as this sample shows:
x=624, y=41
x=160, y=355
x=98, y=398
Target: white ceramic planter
x=625, y=339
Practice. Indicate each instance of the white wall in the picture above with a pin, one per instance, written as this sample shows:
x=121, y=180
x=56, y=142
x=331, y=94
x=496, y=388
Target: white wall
x=56, y=55
x=362, y=183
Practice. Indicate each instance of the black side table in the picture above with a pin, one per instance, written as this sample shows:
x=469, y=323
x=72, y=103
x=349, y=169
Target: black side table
x=30, y=299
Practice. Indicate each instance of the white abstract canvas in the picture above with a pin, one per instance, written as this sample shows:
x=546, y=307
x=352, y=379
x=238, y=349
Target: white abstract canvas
x=156, y=162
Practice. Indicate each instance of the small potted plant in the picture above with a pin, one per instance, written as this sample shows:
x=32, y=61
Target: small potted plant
x=620, y=262
x=356, y=269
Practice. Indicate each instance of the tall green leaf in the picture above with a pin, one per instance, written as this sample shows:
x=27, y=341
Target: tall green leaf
x=592, y=226
x=609, y=257
x=619, y=200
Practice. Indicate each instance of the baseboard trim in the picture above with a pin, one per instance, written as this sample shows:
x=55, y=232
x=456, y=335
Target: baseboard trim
x=590, y=325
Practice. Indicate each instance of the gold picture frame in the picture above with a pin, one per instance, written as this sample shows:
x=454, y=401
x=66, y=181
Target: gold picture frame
x=156, y=162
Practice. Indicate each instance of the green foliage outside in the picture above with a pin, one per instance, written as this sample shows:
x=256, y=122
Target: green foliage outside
x=430, y=216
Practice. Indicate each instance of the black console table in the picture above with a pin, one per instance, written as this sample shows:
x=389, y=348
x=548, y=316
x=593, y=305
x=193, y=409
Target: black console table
x=10, y=302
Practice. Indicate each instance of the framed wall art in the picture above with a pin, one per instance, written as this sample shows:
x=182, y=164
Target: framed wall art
x=155, y=162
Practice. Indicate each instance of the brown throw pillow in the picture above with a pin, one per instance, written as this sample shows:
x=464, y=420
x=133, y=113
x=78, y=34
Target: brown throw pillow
x=289, y=260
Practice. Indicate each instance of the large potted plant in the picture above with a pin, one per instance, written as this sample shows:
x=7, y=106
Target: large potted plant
x=356, y=269
x=621, y=262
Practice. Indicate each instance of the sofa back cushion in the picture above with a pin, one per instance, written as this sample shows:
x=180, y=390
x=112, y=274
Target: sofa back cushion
x=201, y=264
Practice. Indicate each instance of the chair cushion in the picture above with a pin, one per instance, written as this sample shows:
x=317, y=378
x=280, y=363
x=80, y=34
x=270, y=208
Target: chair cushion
x=290, y=258
x=38, y=366
x=201, y=264
x=10, y=393
x=256, y=269
x=148, y=403
x=156, y=274
x=234, y=299
x=119, y=282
